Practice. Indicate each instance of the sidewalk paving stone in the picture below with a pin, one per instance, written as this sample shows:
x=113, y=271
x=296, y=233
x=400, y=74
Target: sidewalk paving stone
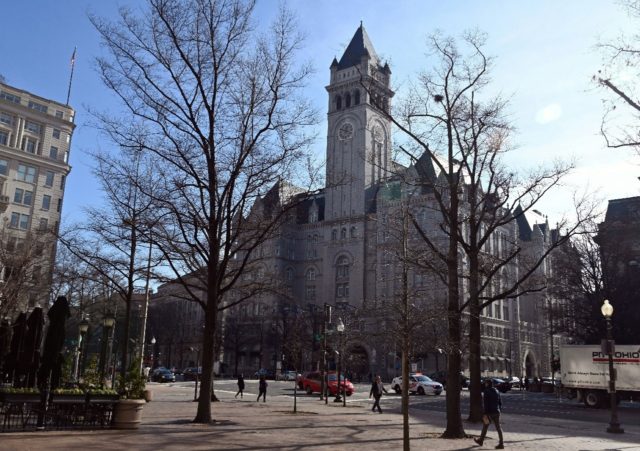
x=248, y=425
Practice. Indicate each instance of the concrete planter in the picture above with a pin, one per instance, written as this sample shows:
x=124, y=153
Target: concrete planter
x=547, y=388
x=128, y=413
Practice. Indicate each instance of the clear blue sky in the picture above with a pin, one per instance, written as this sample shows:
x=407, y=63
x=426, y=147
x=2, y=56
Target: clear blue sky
x=545, y=54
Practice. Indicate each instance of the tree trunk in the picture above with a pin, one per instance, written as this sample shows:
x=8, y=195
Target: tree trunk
x=203, y=414
x=475, y=389
x=454, y=428
x=405, y=393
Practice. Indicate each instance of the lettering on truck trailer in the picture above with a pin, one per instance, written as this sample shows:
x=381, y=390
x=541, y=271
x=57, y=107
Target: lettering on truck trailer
x=622, y=357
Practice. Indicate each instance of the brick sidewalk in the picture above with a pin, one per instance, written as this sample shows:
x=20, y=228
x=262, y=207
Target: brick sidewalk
x=247, y=425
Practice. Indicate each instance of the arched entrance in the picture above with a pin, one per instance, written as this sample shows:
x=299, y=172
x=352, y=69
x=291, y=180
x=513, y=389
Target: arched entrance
x=357, y=365
x=530, y=365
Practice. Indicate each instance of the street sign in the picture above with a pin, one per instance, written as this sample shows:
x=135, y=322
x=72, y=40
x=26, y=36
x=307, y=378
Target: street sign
x=414, y=367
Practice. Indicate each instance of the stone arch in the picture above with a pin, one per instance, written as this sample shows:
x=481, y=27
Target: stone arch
x=347, y=117
x=530, y=364
x=358, y=362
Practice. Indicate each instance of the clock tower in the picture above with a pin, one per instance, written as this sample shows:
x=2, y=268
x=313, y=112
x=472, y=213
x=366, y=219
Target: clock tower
x=359, y=134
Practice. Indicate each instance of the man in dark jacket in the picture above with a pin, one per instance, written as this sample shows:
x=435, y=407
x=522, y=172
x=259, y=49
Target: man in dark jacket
x=492, y=405
x=240, y=386
x=262, y=389
x=376, y=391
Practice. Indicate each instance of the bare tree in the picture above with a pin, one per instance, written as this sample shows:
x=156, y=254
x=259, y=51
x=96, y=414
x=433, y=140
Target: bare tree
x=620, y=127
x=24, y=259
x=456, y=141
x=110, y=241
x=219, y=108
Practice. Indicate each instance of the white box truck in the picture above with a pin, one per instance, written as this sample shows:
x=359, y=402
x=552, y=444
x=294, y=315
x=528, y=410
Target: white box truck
x=585, y=373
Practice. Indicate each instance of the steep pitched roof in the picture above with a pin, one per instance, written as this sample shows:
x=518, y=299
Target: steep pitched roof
x=623, y=210
x=524, y=229
x=359, y=46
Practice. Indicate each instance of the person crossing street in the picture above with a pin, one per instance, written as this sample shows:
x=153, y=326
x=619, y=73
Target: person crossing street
x=376, y=391
x=492, y=406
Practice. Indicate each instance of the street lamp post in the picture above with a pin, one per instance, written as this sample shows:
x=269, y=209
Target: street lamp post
x=107, y=324
x=340, y=329
x=83, y=327
x=153, y=351
x=323, y=383
x=614, y=424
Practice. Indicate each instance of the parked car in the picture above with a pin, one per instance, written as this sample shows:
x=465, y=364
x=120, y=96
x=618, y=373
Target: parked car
x=268, y=374
x=312, y=383
x=514, y=381
x=419, y=384
x=163, y=375
x=287, y=376
x=441, y=377
x=190, y=373
x=556, y=381
x=502, y=385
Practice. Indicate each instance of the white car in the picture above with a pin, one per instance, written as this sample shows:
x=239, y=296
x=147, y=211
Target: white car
x=418, y=383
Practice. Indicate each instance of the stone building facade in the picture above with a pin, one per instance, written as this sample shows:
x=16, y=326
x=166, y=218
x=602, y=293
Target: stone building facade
x=335, y=255
x=335, y=251
x=35, y=140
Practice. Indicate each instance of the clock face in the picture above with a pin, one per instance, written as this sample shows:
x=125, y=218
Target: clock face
x=345, y=132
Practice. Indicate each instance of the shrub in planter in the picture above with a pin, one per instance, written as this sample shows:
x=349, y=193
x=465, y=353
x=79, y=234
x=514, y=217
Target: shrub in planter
x=10, y=394
x=127, y=413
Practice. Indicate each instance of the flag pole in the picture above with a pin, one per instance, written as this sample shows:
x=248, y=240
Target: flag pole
x=73, y=63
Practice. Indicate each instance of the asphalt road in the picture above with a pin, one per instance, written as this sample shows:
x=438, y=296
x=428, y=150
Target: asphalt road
x=514, y=403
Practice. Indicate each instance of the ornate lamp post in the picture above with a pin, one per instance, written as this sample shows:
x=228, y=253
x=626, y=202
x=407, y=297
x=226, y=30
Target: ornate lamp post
x=614, y=424
x=83, y=327
x=153, y=351
x=324, y=391
x=340, y=329
x=107, y=324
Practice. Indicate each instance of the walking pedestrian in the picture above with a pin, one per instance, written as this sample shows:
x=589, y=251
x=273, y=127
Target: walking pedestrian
x=376, y=391
x=492, y=406
x=526, y=384
x=262, y=389
x=240, y=386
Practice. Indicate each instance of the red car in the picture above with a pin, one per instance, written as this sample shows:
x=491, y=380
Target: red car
x=311, y=383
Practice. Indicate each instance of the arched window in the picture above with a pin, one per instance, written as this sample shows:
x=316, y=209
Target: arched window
x=342, y=268
x=356, y=97
x=347, y=100
x=354, y=231
x=311, y=274
x=343, y=233
x=289, y=274
x=338, y=102
x=334, y=234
